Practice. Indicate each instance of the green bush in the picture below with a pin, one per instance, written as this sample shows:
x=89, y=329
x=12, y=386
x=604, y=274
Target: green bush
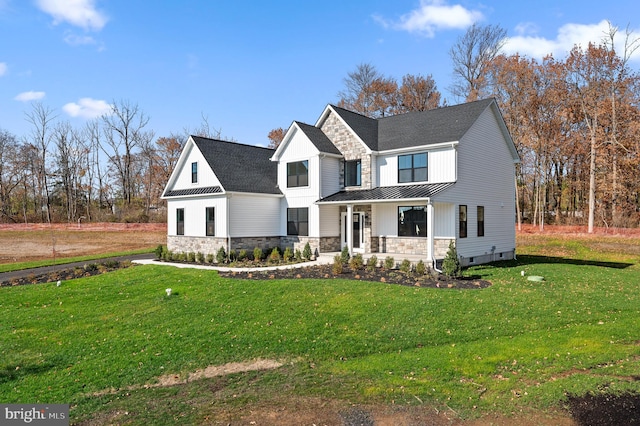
x=451, y=263
x=372, y=263
x=298, y=255
x=338, y=266
x=356, y=262
x=243, y=255
x=210, y=257
x=257, y=254
x=344, y=255
x=158, y=251
x=275, y=257
x=221, y=255
x=191, y=256
x=389, y=262
x=306, y=252
x=421, y=268
x=200, y=257
x=405, y=266
x=287, y=255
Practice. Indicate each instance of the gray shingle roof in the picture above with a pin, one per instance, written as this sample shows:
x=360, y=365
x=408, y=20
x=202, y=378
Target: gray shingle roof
x=389, y=193
x=206, y=190
x=239, y=167
x=318, y=138
x=366, y=128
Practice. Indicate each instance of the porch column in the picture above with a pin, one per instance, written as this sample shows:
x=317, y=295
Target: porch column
x=350, y=228
x=430, y=231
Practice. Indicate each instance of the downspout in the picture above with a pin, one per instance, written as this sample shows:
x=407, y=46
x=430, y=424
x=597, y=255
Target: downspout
x=228, y=224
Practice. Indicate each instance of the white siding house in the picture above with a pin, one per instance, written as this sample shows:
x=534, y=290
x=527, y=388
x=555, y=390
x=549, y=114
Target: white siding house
x=406, y=184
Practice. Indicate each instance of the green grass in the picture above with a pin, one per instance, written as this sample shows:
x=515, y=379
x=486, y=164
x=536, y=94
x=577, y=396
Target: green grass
x=18, y=266
x=514, y=346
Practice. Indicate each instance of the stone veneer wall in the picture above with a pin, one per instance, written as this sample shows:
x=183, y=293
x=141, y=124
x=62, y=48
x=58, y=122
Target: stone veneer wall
x=184, y=244
x=409, y=245
x=350, y=148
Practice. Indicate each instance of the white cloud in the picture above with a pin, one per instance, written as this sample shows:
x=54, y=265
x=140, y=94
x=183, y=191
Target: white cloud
x=3, y=68
x=29, y=96
x=76, y=40
x=80, y=13
x=528, y=43
x=432, y=16
x=87, y=108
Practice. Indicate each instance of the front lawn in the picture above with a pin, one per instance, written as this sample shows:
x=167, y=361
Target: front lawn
x=96, y=342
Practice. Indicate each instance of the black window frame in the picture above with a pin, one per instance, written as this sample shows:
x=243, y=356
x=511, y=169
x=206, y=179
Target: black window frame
x=298, y=221
x=463, y=219
x=180, y=221
x=414, y=173
x=348, y=167
x=298, y=174
x=210, y=221
x=406, y=225
x=480, y=219
x=194, y=172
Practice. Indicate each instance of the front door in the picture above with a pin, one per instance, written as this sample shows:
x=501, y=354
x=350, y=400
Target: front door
x=357, y=228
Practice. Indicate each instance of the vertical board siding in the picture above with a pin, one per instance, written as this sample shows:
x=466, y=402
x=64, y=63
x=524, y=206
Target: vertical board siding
x=441, y=164
x=195, y=215
x=206, y=177
x=329, y=220
x=330, y=169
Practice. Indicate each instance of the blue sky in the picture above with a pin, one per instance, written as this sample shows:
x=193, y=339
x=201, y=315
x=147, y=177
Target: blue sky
x=251, y=66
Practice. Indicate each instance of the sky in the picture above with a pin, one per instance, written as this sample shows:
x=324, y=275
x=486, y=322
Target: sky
x=247, y=67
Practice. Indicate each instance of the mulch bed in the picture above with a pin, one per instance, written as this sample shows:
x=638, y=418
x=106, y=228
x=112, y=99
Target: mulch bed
x=389, y=276
x=605, y=409
x=65, y=274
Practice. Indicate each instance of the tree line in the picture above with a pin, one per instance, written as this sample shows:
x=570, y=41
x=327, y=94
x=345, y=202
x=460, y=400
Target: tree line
x=574, y=121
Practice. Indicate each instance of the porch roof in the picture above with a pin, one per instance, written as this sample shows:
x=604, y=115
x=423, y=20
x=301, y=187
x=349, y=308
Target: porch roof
x=386, y=193
x=206, y=190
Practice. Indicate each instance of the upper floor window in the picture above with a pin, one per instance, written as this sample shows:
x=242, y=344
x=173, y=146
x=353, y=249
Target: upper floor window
x=412, y=221
x=210, y=221
x=412, y=168
x=179, y=221
x=194, y=172
x=480, y=221
x=352, y=173
x=298, y=174
x=298, y=221
x=462, y=216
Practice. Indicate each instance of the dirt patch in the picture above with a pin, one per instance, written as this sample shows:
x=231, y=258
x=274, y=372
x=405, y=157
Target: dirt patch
x=606, y=409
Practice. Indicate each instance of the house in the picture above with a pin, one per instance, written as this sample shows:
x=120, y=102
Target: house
x=403, y=185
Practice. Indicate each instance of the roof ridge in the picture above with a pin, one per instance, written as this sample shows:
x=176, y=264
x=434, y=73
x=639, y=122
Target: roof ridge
x=231, y=142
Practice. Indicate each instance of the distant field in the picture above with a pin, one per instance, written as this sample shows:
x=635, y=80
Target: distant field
x=28, y=242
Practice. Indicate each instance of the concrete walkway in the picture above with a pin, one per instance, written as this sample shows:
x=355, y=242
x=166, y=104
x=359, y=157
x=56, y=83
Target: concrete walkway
x=320, y=261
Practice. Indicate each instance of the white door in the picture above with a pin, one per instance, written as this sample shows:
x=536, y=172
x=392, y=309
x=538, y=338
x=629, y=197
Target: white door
x=358, y=231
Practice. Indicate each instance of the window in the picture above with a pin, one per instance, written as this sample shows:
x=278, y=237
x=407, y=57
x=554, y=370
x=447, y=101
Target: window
x=179, y=221
x=194, y=172
x=462, y=214
x=412, y=168
x=210, y=222
x=352, y=173
x=298, y=174
x=298, y=221
x=480, y=221
x=412, y=221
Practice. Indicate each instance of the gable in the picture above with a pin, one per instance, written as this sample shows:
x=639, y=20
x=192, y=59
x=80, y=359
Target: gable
x=179, y=183
x=301, y=140
x=349, y=130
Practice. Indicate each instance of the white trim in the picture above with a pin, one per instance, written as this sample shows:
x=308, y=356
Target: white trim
x=419, y=148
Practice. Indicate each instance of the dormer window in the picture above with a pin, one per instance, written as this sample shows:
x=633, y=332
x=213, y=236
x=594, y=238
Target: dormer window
x=298, y=174
x=194, y=172
x=412, y=168
x=352, y=173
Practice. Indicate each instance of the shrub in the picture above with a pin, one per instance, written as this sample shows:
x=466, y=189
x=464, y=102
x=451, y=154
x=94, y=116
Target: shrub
x=451, y=263
x=191, y=256
x=165, y=254
x=372, y=263
x=338, y=266
x=200, y=257
x=275, y=255
x=356, y=262
x=421, y=268
x=170, y=255
x=405, y=266
x=257, y=254
x=221, y=255
x=158, y=251
x=389, y=262
x=306, y=252
x=210, y=257
x=344, y=255
x=181, y=257
x=243, y=255
x=298, y=255
x=233, y=255
x=287, y=255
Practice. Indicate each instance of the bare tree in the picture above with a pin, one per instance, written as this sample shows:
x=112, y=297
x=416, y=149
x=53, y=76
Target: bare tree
x=41, y=118
x=9, y=176
x=124, y=131
x=471, y=56
x=418, y=93
x=357, y=95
